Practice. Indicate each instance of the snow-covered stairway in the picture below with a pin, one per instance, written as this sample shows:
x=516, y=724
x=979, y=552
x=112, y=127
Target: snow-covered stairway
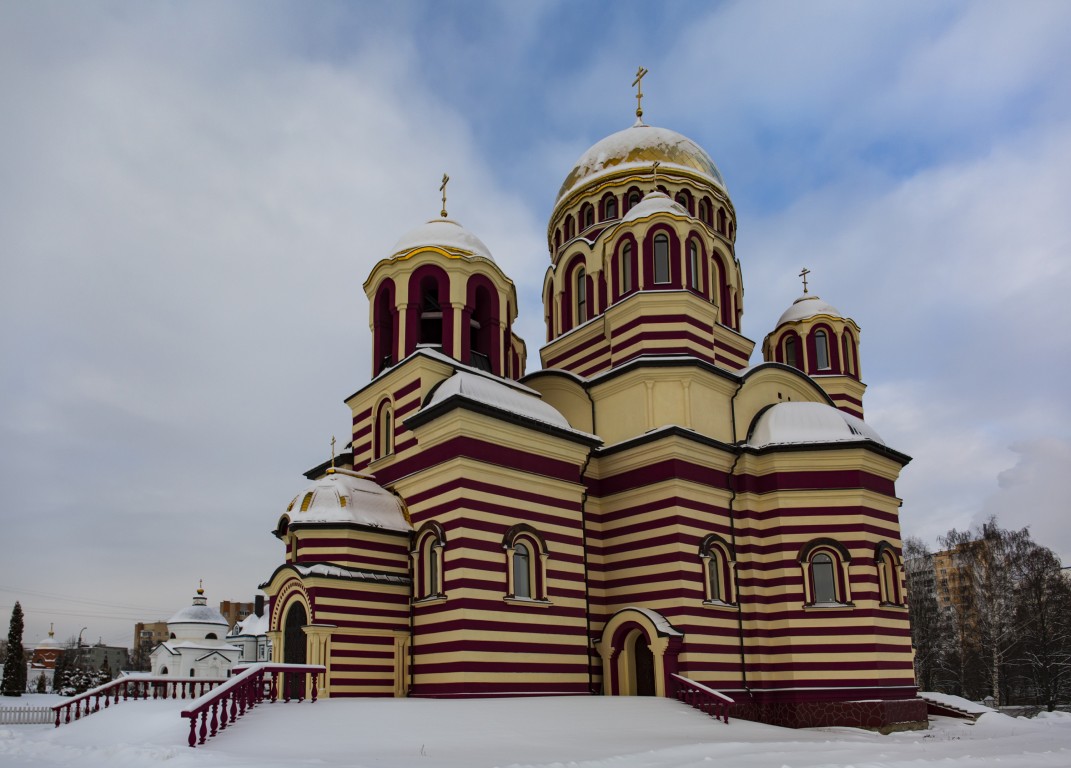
x=952, y=706
x=705, y=699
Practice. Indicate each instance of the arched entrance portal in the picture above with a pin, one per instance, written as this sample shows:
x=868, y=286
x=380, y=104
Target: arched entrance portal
x=295, y=648
x=639, y=650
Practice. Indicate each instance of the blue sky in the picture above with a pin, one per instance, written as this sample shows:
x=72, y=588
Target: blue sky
x=191, y=196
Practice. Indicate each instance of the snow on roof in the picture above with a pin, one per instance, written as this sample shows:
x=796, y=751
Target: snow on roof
x=496, y=394
x=807, y=305
x=198, y=613
x=794, y=423
x=252, y=625
x=638, y=147
x=443, y=233
x=956, y=702
x=343, y=496
x=319, y=569
x=654, y=202
x=661, y=622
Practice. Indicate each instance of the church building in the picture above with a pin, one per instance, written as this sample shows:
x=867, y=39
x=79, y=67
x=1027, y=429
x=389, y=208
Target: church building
x=647, y=504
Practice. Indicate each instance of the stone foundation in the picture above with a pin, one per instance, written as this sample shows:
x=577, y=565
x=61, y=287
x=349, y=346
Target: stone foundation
x=881, y=715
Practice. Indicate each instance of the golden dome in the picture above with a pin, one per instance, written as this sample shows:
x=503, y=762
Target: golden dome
x=636, y=148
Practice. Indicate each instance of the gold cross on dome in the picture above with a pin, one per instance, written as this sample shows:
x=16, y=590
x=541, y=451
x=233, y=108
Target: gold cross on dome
x=638, y=82
x=442, y=188
x=332, y=451
x=804, y=274
x=654, y=174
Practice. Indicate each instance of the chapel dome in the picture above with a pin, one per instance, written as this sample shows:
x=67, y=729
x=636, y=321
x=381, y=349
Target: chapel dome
x=807, y=305
x=795, y=423
x=198, y=613
x=654, y=202
x=637, y=147
x=441, y=233
x=343, y=496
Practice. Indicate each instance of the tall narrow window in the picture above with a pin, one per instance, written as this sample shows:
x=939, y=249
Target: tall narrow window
x=715, y=578
x=704, y=211
x=721, y=220
x=588, y=216
x=626, y=268
x=610, y=212
x=849, y=361
x=633, y=198
x=693, y=265
x=822, y=578
x=661, y=259
x=581, y=296
x=384, y=434
x=431, y=566
x=790, y=352
x=522, y=574
x=821, y=350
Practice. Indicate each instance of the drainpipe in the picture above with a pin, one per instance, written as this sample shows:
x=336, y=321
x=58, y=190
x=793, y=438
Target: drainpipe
x=732, y=538
x=584, y=544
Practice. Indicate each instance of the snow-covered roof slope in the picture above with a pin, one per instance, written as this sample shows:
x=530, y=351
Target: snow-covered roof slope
x=337, y=571
x=342, y=496
x=252, y=625
x=654, y=202
x=807, y=305
x=638, y=147
x=794, y=423
x=198, y=613
x=496, y=394
x=442, y=233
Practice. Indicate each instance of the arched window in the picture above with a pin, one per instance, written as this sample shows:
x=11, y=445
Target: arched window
x=693, y=265
x=634, y=198
x=431, y=314
x=526, y=563
x=821, y=350
x=427, y=557
x=569, y=227
x=888, y=575
x=823, y=578
x=849, y=358
x=825, y=571
x=790, y=352
x=211, y=636
x=581, y=296
x=587, y=216
x=704, y=211
x=610, y=208
x=383, y=439
x=684, y=198
x=626, y=268
x=661, y=258
x=715, y=555
x=522, y=571
x=385, y=341
x=721, y=220
x=557, y=239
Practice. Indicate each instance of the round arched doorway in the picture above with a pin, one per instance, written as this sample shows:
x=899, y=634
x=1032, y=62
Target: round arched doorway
x=295, y=648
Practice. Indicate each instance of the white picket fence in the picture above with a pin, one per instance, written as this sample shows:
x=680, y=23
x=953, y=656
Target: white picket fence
x=26, y=715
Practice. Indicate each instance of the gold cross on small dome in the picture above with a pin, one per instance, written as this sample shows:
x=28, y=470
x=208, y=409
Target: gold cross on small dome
x=442, y=188
x=640, y=72
x=804, y=274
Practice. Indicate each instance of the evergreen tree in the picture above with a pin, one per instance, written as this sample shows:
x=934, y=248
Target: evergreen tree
x=42, y=684
x=15, y=663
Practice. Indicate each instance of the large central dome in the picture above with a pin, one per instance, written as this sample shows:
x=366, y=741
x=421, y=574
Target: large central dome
x=637, y=147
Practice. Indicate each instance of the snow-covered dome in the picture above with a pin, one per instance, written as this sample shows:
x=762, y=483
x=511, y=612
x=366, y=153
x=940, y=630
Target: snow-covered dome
x=442, y=233
x=638, y=147
x=515, y=399
x=198, y=613
x=343, y=496
x=807, y=305
x=654, y=202
x=794, y=423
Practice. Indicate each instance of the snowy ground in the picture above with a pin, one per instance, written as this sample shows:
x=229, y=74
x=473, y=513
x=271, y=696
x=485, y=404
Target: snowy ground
x=558, y=732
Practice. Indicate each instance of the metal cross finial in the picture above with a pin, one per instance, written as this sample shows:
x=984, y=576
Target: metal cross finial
x=332, y=451
x=804, y=274
x=640, y=72
x=200, y=586
x=654, y=173
x=442, y=188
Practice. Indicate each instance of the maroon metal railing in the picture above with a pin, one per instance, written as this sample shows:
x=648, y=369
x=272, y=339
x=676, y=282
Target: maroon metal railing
x=705, y=699
x=131, y=687
x=219, y=708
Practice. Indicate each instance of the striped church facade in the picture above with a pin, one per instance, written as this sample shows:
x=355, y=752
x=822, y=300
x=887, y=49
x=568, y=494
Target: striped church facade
x=648, y=504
